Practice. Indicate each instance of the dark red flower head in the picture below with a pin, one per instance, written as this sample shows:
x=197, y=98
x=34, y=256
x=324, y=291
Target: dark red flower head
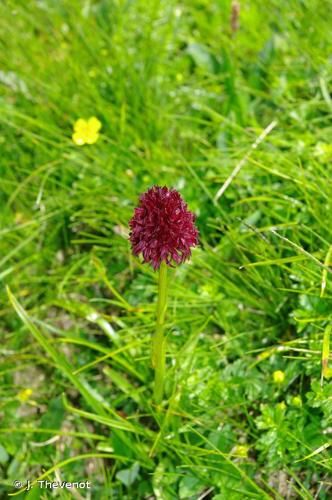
x=162, y=228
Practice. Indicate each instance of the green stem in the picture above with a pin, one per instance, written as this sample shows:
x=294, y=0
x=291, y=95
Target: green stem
x=159, y=343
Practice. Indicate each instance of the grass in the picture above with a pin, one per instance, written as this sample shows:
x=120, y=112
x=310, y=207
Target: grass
x=182, y=99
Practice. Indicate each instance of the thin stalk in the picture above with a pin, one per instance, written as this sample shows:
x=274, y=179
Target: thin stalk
x=159, y=344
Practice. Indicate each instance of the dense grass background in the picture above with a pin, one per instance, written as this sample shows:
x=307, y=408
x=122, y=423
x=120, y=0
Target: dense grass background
x=182, y=97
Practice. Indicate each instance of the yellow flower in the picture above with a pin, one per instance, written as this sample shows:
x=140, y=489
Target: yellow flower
x=86, y=131
x=241, y=450
x=297, y=401
x=278, y=377
x=24, y=395
x=281, y=406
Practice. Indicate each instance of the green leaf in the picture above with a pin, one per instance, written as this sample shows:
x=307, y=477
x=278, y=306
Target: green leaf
x=202, y=57
x=128, y=476
x=3, y=455
x=190, y=486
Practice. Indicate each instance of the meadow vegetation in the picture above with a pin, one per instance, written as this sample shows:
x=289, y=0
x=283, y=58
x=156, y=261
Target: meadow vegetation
x=182, y=90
